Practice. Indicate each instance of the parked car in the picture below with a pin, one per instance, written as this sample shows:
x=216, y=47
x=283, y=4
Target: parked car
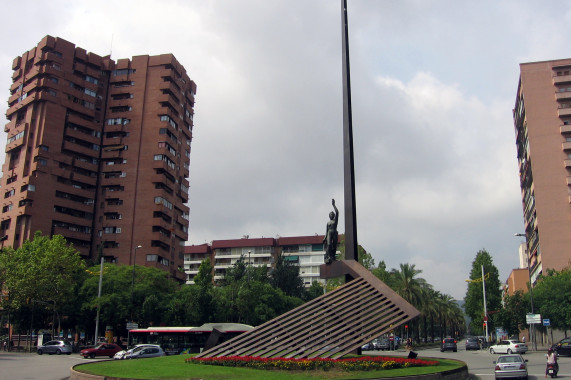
x=472, y=344
x=563, y=347
x=509, y=347
x=510, y=366
x=145, y=352
x=367, y=346
x=57, y=347
x=448, y=344
x=384, y=344
x=104, y=349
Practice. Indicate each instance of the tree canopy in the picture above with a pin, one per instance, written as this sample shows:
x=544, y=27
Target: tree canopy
x=474, y=299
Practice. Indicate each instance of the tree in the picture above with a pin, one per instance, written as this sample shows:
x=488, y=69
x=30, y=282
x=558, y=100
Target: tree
x=149, y=302
x=552, y=298
x=44, y=273
x=512, y=315
x=474, y=299
x=285, y=276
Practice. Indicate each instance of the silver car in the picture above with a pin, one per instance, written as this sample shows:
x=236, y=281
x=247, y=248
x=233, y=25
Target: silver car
x=510, y=366
x=123, y=354
x=57, y=347
x=145, y=352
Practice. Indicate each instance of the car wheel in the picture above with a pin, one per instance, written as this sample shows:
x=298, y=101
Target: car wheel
x=58, y=352
x=92, y=355
x=492, y=351
x=455, y=350
x=111, y=356
x=509, y=351
x=40, y=352
x=69, y=353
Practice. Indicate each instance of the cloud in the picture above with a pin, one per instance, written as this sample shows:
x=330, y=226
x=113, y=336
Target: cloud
x=433, y=85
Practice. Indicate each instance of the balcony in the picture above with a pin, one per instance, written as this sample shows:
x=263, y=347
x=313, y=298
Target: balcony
x=568, y=163
x=563, y=95
x=566, y=145
x=565, y=129
x=561, y=79
x=564, y=111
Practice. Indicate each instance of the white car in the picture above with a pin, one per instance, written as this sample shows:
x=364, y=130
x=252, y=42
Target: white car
x=122, y=354
x=511, y=346
x=147, y=351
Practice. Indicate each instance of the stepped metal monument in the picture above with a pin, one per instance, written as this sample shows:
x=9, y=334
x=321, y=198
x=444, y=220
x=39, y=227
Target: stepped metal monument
x=342, y=320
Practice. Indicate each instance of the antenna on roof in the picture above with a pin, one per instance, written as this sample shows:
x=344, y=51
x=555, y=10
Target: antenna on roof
x=111, y=47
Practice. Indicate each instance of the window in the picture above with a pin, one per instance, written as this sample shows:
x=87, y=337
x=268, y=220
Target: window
x=28, y=187
x=7, y=208
x=123, y=72
x=121, y=109
x=90, y=92
x=112, y=230
x=164, y=202
x=17, y=136
x=125, y=83
x=151, y=258
x=118, y=120
x=91, y=79
x=9, y=193
x=169, y=120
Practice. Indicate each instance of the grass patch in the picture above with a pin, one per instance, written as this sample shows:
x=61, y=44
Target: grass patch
x=174, y=367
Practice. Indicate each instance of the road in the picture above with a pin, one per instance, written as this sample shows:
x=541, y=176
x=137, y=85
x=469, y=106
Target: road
x=480, y=363
x=18, y=366
x=24, y=366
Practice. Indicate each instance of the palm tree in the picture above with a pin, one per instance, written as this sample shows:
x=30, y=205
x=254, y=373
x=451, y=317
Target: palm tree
x=409, y=286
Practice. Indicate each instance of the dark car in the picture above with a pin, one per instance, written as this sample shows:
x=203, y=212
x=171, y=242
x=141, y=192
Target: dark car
x=384, y=344
x=105, y=349
x=563, y=347
x=472, y=344
x=448, y=344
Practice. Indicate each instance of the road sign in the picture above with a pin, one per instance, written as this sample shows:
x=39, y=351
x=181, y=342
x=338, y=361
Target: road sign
x=546, y=322
x=132, y=326
x=532, y=318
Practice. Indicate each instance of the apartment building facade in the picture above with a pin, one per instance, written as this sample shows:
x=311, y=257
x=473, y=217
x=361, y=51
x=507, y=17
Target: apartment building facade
x=98, y=151
x=542, y=122
x=305, y=251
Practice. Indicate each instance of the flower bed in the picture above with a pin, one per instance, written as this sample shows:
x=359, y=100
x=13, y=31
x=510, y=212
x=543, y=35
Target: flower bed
x=364, y=363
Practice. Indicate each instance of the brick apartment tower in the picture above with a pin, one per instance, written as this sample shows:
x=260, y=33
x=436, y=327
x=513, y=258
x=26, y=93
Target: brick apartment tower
x=542, y=121
x=98, y=151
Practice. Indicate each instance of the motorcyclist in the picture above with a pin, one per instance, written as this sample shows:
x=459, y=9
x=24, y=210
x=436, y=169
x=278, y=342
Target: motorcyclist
x=551, y=360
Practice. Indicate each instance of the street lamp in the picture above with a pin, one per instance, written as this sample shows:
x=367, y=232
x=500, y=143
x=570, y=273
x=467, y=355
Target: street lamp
x=528, y=259
x=133, y=279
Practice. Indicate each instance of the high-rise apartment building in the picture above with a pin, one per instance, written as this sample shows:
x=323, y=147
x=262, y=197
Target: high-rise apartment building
x=542, y=121
x=98, y=151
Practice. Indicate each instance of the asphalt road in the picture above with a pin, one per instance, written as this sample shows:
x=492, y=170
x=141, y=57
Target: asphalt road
x=18, y=366
x=23, y=366
x=480, y=363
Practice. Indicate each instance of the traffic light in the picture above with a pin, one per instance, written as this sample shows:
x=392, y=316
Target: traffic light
x=406, y=326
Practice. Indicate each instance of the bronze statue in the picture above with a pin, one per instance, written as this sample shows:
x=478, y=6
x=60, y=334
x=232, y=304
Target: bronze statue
x=331, y=235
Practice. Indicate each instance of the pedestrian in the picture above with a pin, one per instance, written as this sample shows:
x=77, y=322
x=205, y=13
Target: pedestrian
x=5, y=344
x=523, y=339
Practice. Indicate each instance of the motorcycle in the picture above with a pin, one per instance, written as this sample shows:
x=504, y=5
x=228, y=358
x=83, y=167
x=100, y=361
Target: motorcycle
x=552, y=369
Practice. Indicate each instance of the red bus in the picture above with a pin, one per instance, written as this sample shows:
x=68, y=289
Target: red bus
x=178, y=340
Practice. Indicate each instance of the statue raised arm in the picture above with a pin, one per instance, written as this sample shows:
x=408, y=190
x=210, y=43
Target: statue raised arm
x=331, y=235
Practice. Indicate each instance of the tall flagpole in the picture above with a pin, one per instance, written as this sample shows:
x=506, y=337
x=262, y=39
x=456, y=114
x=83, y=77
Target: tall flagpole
x=351, y=252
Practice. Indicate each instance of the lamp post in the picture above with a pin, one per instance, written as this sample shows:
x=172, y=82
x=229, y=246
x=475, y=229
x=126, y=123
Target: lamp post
x=133, y=279
x=249, y=265
x=528, y=259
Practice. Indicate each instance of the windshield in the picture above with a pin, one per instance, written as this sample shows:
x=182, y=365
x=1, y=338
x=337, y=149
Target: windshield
x=509, y=359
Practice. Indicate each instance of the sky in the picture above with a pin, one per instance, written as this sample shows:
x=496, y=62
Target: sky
x=433, y=87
